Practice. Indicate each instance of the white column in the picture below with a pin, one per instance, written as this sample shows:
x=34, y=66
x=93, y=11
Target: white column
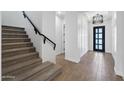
x=82, y=34
x=48, y=29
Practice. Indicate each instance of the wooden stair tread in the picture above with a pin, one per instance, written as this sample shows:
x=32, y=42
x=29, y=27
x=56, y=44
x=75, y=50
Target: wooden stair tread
x=13, y=38
x=13, y=34
x=18, y=43
x=18, y=71
x=13, y=45
x=13, y=30
x=20, y=65
x=19, y=56
x=47, y=75
x=16, y=49
x=10, y=27
x=31, y=72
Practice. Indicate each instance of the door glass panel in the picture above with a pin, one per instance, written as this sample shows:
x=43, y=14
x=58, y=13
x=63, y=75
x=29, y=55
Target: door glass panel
x=96, y=41
x=100, y=41
x=100, y=35
x=97, y=36
x=96, y=46
x=100, y=47
x=96, y=30
x=100, y=30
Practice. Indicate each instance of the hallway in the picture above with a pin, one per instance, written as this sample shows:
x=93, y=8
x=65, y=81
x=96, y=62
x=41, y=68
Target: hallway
x=93, y=66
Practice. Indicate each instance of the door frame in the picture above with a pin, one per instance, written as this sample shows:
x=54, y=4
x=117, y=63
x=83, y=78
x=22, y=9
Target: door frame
x=103, y=38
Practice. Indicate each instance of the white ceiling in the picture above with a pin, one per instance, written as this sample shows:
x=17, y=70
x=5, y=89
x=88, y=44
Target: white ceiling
x=60, y=14
x=107, y=15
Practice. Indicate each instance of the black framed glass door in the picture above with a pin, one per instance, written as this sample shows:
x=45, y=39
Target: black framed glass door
x=99, y=38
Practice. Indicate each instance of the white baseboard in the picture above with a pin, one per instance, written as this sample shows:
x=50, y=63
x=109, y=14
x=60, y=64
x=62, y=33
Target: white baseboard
x=71, y=60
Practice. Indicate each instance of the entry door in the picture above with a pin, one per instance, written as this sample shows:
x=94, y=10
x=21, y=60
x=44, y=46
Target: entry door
x=99, y=38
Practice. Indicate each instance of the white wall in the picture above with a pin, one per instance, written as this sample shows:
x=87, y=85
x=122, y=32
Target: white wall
x=36, y=18
x=49, y=29
x=59, y=33
x=119, y=51
x=63, y=37
x=108, y=35
x=76, y=36
x=0, y=47
x=72, y=51
x=13, y=18
x=82, y=34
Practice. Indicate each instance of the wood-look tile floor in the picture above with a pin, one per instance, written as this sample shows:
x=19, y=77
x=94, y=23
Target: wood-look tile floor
x=93, y=66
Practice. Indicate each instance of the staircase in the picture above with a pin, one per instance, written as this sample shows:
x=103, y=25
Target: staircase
x=20, y=61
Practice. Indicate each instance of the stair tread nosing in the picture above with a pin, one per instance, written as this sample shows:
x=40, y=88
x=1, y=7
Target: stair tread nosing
x=13, y=34
x=6, y=46
x=17, y=49
x=13, y=31
x=13, y=38
x=18, y=56
x=17, y=43
x=33, y=71
x=11, y=68
x=9, y=35
x=10, y=27
x=47, y=75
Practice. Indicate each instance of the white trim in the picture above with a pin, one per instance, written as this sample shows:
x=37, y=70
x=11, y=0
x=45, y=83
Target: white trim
x=72, y=60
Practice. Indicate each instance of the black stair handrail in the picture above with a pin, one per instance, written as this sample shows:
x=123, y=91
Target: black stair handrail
x=37, y=31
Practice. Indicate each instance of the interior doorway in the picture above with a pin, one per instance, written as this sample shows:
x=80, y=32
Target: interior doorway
x=60, y=33
x=99, y=38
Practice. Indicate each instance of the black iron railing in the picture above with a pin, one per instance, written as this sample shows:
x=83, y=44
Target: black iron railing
x=38, y=32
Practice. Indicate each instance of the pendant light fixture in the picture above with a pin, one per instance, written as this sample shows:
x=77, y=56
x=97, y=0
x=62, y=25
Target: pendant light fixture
x=97, y=19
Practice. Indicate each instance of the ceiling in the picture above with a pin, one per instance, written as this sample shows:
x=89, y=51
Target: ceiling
x=107, y=15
